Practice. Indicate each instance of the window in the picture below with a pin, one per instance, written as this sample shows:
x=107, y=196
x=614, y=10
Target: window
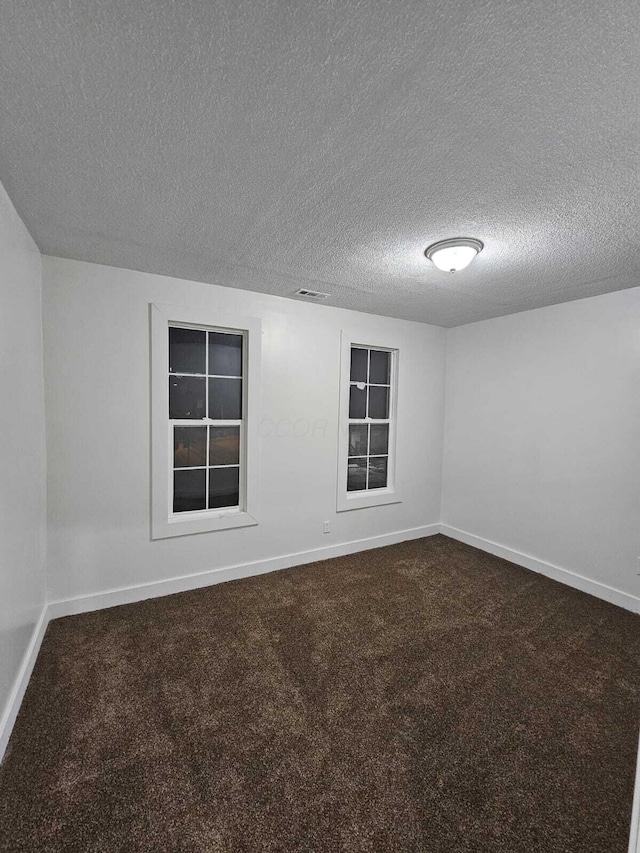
x=369, y=392
x=366, y=474
x=205, y=382
x=204, y=421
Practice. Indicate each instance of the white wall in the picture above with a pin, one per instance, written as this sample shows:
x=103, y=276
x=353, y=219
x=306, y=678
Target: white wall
x=542, y=447
x=97, y=401
x=22, y=458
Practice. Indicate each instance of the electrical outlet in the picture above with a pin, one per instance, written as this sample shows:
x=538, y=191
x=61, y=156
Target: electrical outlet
x=326, y=527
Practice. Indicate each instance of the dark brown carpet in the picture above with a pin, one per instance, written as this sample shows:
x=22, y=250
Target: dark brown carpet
x=421, y=697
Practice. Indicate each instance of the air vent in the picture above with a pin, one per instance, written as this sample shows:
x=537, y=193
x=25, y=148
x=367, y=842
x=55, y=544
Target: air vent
x=311, y=294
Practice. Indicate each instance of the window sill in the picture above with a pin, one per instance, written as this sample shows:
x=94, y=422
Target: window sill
x=357, y=500
x=203, y=523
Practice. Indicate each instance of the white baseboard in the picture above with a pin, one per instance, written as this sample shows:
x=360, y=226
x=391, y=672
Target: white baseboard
x=141, y=592
x=22, y=679
x=599, y=590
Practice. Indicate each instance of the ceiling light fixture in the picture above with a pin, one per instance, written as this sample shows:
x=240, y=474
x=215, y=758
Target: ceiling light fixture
x=454, y=255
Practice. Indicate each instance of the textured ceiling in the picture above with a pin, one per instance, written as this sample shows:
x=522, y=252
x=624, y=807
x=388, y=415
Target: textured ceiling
x=274, y=144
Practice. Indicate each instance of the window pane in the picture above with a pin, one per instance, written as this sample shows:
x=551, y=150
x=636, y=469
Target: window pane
x=379, y=368
x=189, y=490
x=187, y=350
x=379, y=439
x=224, y=446
x=357, y=475
x=359, y=364
x=378, y=402
x=224, y=487
x=377, y=472
x=225, y=399
x=358, y=440
x=186, y=397
x=357, y=402
x=189, y=447
x=225, y=354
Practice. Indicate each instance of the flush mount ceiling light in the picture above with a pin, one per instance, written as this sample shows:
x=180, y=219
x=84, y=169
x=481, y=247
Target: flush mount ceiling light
x=453, y=255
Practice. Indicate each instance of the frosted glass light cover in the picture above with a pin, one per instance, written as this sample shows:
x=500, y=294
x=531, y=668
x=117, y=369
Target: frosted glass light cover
x=454, y=255
x=456, y=258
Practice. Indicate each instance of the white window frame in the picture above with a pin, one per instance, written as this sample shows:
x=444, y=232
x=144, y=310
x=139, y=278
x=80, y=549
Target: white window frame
x=164, y=522
x=376, y=497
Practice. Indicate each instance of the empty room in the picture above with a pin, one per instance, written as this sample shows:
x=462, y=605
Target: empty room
x=320, y=426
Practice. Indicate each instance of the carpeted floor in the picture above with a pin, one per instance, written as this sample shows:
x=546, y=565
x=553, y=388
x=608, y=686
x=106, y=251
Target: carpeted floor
x=421, y=697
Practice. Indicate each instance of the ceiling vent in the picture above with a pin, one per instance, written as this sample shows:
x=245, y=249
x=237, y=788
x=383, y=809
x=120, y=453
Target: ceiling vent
x=311, y=294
